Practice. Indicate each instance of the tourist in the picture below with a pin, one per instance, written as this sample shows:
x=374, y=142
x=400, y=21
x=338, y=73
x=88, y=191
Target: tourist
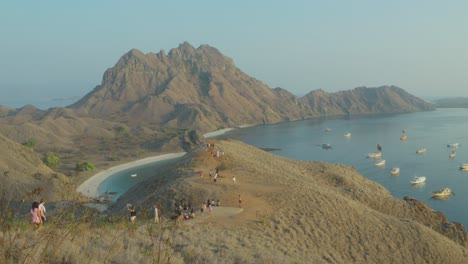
x=42, y=210
x=215, y=177
x=240, y=201
x=210, y=209
x=132, y=214
x=35, y=214
x=210, y=174
x=218, y=203
x=203, y=208
x=234, y=179
x=156, y=214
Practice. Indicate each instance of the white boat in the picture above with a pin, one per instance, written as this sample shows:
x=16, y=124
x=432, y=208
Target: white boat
x=133, y=175
x=452, y=154
x=421, y=151
x=327, y=129
x=464, y=166
x=326, y=146
x=404, y=137
x=380, y=163
x=453, y=145
x=374, y=155
x=444, y=192
x=348, y=135
x=418, y=180
x=395, y=171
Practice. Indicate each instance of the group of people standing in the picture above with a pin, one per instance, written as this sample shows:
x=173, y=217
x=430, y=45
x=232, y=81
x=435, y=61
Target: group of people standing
x=38, y=213
x=132, y=213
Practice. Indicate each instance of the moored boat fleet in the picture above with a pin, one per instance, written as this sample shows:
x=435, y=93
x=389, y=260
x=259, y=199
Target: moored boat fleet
x=416, y=180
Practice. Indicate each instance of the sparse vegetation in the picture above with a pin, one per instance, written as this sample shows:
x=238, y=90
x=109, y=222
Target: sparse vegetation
x=30, y=143
x=85, y=166
x=51, y=160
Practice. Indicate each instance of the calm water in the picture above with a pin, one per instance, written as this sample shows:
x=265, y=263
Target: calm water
x=431, y=130
x=121, y=181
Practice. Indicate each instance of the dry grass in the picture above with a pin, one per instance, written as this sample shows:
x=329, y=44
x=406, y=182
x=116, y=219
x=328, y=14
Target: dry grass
x=293, y=212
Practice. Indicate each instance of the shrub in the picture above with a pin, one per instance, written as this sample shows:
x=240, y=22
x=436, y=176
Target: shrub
x=85, y=166
x=30, y=143
x=51, y=160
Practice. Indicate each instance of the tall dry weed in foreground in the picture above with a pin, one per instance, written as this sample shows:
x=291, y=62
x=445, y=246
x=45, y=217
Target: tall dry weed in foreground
x=75, y=234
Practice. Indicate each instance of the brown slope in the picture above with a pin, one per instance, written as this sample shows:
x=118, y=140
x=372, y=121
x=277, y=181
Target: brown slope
x=298, y=211
x=363, y=100
x=25, y=177
x=202, y=89
x=197, y=88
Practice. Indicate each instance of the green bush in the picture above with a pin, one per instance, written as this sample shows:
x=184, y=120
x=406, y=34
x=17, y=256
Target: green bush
x=85, y=166
x=30, y=143
x=51, y=160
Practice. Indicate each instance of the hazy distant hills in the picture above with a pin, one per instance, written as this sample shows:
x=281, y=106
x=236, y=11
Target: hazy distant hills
x=458, y=102
x=202, y=89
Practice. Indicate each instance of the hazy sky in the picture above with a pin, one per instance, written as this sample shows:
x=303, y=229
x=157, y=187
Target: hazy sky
x=52, y=49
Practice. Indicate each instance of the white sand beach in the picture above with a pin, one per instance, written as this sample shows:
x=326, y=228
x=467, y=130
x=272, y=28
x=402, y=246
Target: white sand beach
x=217, y=132
x=90, y=187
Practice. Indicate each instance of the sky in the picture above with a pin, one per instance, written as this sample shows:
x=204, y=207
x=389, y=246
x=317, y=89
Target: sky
x=61, y=49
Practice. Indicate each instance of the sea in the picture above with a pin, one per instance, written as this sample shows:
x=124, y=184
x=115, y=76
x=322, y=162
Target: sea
x=432, y=130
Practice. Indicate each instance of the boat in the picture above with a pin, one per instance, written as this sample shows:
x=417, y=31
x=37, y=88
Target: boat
x=421, y=151
x=418, y=180
x=380, y=163
x=133, y=175
x=348, y=135
x=326, y=146
x=374, y=155
x=395, y=171
x=453, y=145
x=404, y=137
x=444, y=192
x=452, y=154
x=327, y=129
x=464, y=167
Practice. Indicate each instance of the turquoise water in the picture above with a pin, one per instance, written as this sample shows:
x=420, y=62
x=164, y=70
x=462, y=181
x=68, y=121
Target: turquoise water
x=431, y=130
x=121, y=181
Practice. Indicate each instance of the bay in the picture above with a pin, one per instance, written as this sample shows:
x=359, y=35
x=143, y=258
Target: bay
x=432, y=130
x=121, y=181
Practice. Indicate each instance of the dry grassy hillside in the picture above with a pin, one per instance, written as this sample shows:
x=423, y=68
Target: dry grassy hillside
x=292, y=212
x=297, y=211
x=25, y=177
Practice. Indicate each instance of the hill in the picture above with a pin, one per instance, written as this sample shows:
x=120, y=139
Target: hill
x=158, y=103
x=292, y=212
x=25, y=177
x=458, y=102
x=200, y=88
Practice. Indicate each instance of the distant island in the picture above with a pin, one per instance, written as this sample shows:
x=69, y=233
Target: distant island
x=457, y=102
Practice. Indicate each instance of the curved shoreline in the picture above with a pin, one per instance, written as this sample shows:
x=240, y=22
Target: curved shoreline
x=89, y=188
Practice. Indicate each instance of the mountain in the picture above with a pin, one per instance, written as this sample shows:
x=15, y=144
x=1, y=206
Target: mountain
x=160, y=102
x=458, y=102
x=200, y=88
